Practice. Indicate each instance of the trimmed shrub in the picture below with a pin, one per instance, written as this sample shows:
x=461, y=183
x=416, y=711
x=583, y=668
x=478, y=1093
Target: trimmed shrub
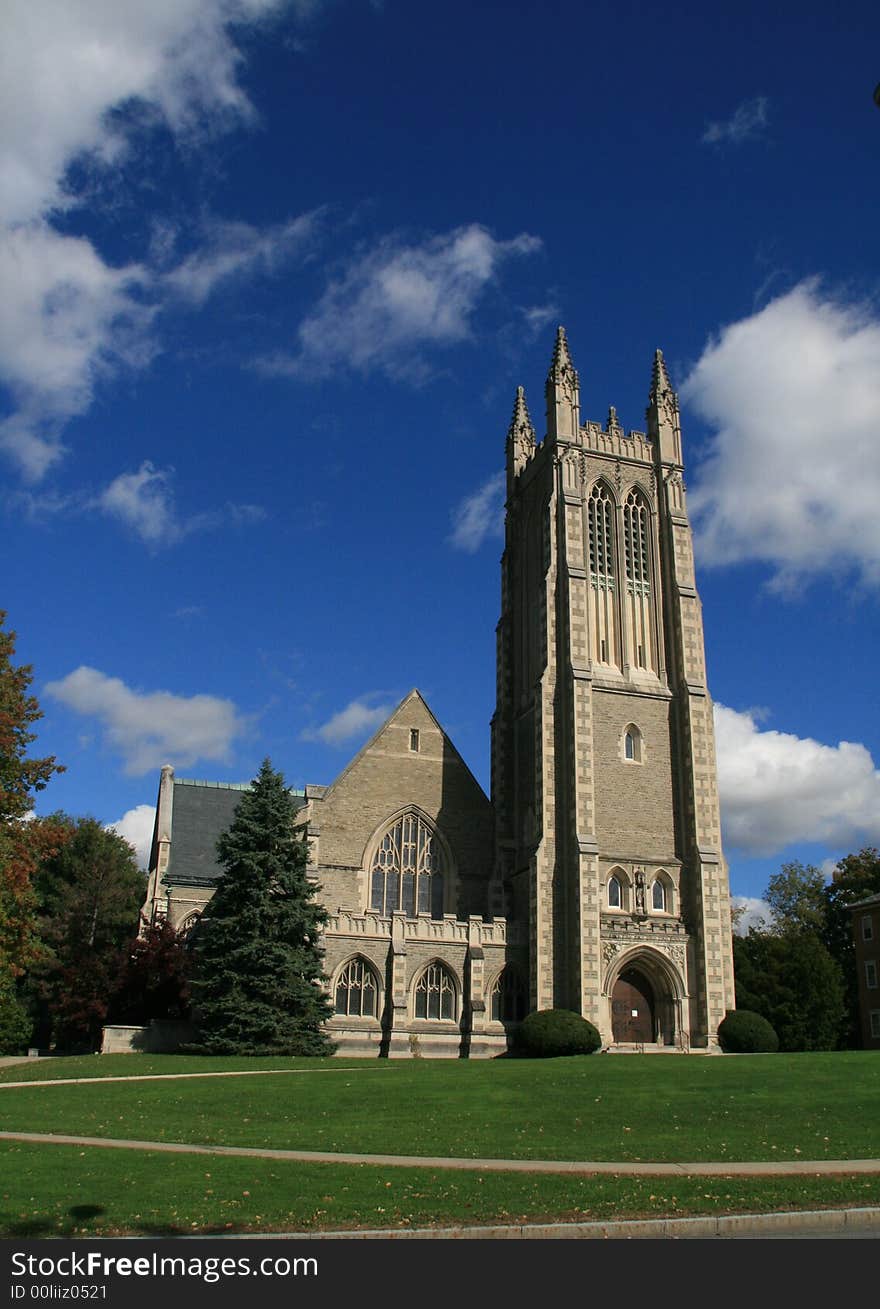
x=745, y=1032
x=549, y=1033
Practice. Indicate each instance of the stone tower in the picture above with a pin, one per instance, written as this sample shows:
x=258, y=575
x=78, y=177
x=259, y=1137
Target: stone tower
x=603, y=756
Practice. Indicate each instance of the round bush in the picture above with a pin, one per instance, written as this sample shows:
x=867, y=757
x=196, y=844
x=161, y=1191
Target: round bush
x=745, y=1032
x=552, y=1032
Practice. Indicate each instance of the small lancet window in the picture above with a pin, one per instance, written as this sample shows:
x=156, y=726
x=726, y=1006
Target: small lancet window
x=632, y=745
x=658, y=896
x=414, y=739
x=615, y=893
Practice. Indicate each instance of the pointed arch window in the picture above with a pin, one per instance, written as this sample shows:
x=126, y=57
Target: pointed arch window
x=357, y=990
x=435, y=993
x=632, y=744
x=600, y=551
x=615, y=893
x=407, y=870
x=637, y=571
x=508, y=996
x=658, y=896
x=636, y=544
x=600, y=515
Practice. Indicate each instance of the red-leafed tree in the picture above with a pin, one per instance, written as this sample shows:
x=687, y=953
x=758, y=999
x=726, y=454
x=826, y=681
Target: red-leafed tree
x=23, y=844
x=154, y=980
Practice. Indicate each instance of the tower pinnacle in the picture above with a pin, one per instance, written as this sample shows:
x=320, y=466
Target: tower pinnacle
x=563, y=393
x=664, y=428
x=520, y=437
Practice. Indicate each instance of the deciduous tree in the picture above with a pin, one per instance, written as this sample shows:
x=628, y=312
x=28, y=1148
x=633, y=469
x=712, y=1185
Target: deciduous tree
x=23, y=843
x=89, y=893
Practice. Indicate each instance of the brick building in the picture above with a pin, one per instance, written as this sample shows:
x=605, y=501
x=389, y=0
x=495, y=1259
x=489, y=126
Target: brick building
x=594, y=879
x=866, y=933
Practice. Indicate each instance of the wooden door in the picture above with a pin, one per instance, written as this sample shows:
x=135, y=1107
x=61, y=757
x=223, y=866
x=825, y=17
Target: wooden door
x=632, y=1008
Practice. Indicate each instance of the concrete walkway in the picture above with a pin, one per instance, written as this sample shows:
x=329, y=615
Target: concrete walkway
x=759, y=1168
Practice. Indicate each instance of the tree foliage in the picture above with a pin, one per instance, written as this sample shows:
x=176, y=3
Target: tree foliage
x=257, y=985
x=154, y=979
x=22, y=843
x=790, y=979
x=796, y=896
x=89, y=895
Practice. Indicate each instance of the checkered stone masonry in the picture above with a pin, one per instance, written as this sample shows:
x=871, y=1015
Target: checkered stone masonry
x=586, y=648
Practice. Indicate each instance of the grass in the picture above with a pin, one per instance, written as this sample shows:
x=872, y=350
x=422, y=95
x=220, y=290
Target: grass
x=71, y=1191
x=809, y=1106
x=653, y=1107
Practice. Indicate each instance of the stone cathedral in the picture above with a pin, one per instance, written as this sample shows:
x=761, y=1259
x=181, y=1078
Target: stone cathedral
x=594, y=878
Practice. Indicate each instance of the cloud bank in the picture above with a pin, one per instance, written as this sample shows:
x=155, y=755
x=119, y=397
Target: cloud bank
x=149, y=729
x=778, y=789
x=792, y=475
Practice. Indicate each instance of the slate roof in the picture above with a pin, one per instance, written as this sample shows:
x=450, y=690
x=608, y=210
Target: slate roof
x=201, y=811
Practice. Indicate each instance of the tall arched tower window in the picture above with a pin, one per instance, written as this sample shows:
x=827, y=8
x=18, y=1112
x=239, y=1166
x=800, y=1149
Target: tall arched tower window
x=407, y=869
x=637, y=566
x=600, y=547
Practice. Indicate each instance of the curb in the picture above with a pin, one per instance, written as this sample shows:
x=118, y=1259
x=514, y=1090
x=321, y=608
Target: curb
x=730, y=1225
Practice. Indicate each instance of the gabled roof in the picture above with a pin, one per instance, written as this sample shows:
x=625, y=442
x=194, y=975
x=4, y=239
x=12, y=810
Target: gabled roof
x=414, y=695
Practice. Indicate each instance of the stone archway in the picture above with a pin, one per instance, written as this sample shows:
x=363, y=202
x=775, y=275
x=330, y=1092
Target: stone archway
x=647, y=1000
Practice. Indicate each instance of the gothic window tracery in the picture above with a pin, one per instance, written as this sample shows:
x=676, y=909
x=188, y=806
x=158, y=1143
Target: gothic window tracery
x=357, y=990
x=600, y=551
x=407, y=869
x=435, y=993
x=637, y=571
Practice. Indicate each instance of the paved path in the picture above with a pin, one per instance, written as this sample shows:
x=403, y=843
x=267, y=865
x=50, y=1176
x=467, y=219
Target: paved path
x=182, y=1077
x=774, y=1168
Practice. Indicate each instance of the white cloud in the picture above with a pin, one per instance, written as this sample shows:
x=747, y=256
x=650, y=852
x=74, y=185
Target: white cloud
x=151, y=728
x=397, y=298
x=65, y=64
x=136, y=827
x=792, y=476
x=233, y=250
x=358, y=718
x=777, y=789
x=78, y=80
x=479, y=515
x=747, y=121
x=755, y=913
x=66, y=318
x=144, y=503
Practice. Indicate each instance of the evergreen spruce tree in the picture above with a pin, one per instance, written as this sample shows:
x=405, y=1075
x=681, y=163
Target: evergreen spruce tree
x=256, y=950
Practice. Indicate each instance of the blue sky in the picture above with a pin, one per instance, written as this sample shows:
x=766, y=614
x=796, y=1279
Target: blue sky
x=272, y=273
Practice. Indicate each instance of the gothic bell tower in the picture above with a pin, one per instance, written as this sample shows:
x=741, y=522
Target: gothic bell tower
x=603, y=756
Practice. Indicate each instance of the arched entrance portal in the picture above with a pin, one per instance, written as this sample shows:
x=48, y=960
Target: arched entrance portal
x=632, y=1008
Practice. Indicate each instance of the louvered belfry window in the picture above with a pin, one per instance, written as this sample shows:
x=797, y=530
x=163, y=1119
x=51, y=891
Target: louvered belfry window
x=407, y=870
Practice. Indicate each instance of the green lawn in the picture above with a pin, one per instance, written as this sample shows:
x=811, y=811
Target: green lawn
x=816, y=1106
x=603, y=1108
x=69, y=1191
